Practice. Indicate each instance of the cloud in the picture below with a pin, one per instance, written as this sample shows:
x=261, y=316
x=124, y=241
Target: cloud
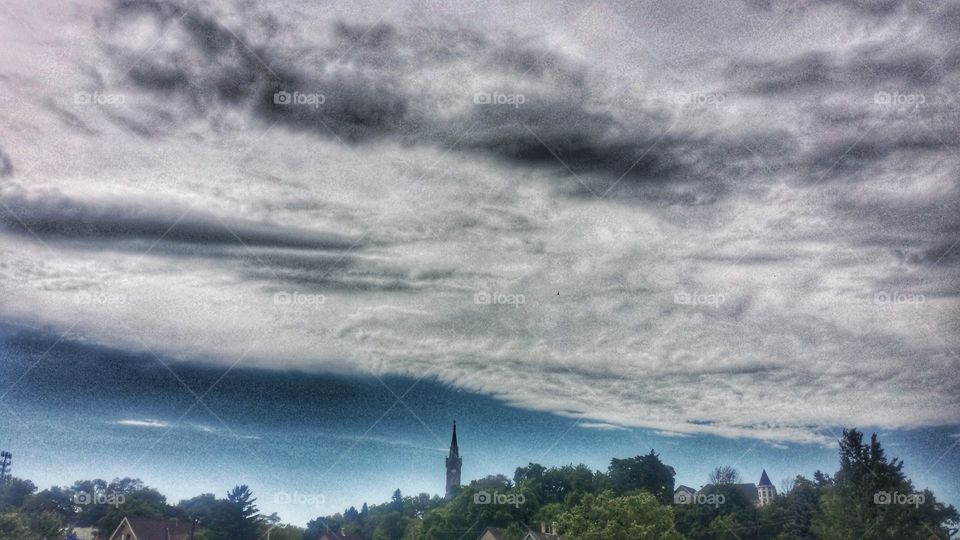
x=545, y=110
x=52, y=214
x=751, y=267
x=6, y=166
x=142, y=423
x=602, y=426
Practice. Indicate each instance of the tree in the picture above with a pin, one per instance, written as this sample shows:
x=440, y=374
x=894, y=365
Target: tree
x=12, y=527
x=725, y=475
x=56, y=500
x=871, y=496
x=236, y=517
x=608, y=517
x=46, y=525
x=533, y=471
x=14, y=492
x=802, y=503
x=643, y=472
x=138, y=500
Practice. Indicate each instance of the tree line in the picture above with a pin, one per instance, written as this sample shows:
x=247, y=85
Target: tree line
x=869, y=497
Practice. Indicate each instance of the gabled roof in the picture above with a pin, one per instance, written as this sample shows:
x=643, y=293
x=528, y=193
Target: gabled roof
x=495, y=532
x=156, y=529
x=682, y=487
x=541, y=536
x=764, y=479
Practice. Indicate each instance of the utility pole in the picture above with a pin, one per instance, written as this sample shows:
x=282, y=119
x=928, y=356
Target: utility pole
x=194, y=519
x=5, y=459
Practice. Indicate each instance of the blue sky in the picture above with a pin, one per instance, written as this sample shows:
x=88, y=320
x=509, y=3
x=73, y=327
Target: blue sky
x=328, y=442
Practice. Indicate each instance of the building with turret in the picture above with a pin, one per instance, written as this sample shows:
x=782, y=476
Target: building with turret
x=760, y=494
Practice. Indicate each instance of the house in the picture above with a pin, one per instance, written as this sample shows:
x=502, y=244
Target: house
x=141, y=528
x=543, y=534
x=493, y=533
x=496, y=533
x=84, y=533
x=683, y=494
x=749, y=491
x=760, y=494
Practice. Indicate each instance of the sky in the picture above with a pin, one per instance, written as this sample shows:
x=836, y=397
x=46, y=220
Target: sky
x=720, y=225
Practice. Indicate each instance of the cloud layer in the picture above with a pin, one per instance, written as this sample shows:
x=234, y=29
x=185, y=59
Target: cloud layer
x=741, y=240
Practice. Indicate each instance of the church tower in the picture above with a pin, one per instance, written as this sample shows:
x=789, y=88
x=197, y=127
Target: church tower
x=453, y=465
x=765, y=490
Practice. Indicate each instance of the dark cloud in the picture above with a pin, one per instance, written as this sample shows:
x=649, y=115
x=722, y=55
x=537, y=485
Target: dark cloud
x=51, y=215
x=6, y=165
x=821, y=72
x=379, y=88
x=869, y=7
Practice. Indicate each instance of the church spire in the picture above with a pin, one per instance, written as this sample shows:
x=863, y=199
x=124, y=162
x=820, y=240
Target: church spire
x=454, y=450
x=454, y=463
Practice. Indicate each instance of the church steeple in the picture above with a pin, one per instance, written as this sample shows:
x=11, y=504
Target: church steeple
x=453, y=465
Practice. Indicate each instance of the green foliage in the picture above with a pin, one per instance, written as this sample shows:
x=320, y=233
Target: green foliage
x=236, y=517
x=45, y=525
x=12, y=527
x=608, y=517
x=14, y=492
x=646, y=473
x=871, y=496
x=138, y=500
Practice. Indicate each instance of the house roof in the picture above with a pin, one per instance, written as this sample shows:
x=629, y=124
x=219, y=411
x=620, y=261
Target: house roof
x=156, y=529
x=764, y=479
x=749, y=490
x=495, y=532
x=541, y=536
x=682, y=487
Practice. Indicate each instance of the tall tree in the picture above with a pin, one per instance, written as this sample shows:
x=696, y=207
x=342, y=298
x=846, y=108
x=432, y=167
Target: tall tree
x=725, y=474
x=870, y=496
x=643, y=472
x=236, y=517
